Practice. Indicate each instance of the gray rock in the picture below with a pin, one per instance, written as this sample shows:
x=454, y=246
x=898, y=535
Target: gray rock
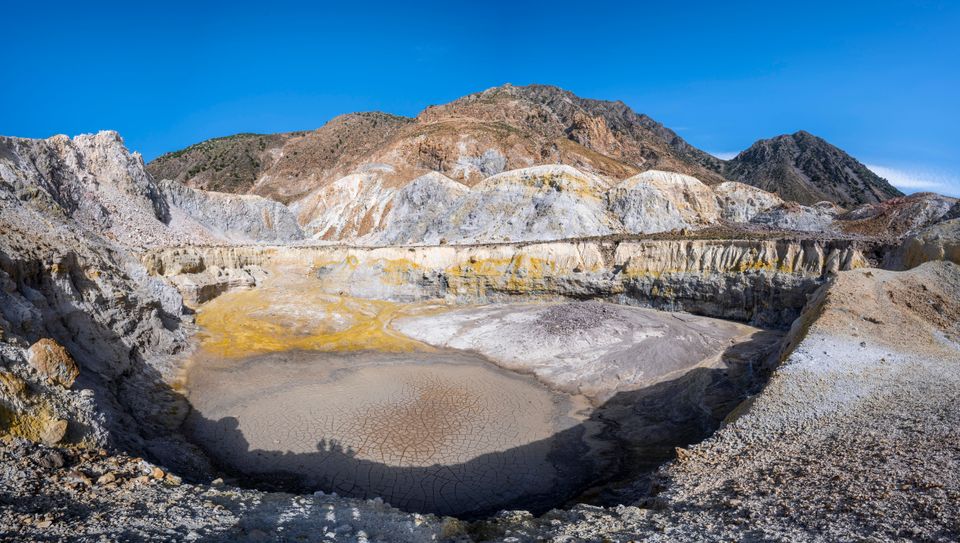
x=245, y=218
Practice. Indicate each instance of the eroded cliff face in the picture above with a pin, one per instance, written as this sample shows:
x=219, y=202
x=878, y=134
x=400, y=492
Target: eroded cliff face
x=765, y=282
x=937, y=242
x=245, y=218
x=92, y=179
x=105, y=323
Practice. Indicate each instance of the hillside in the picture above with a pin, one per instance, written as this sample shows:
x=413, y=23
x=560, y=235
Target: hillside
x=341, y=179
x=804, y=168
x=483, y=134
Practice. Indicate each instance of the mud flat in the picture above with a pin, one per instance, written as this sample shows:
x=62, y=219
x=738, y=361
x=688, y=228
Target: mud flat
x=440, y=432
x=456, y=410
x=297, y=389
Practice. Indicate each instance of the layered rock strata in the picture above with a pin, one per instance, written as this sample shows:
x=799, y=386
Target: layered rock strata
x=764, y=282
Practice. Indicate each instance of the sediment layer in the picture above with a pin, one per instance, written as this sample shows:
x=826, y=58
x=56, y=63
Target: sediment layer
x=765, y=282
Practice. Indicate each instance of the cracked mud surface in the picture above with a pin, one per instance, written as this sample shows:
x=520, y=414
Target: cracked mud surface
x=443, y=432
x=296, y=389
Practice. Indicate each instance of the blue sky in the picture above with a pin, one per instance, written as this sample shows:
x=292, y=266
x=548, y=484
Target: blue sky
x=879, y=79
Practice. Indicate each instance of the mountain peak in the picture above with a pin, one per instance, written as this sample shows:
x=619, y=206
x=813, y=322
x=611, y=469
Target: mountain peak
x=806, y=168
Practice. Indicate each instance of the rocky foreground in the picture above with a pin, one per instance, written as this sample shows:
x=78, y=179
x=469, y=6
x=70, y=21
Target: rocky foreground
x=854, y=437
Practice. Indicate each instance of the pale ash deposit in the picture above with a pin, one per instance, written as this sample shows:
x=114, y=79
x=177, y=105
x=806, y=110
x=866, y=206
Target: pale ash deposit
x=589, y=348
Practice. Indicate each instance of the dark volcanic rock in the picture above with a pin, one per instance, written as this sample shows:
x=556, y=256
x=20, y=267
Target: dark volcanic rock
x=806, y=169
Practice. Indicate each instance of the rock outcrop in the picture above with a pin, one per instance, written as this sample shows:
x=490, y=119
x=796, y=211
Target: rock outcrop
x=765, y=282
x=741, y=203
x=350, y=207
x=420, y=211
x=103, y=332
x=898, y=217
x=937, y=242
x=656, y=201
x=244, y=218
x=537, y=203
x=92, y=179
x=554, y=202
x=819, y=217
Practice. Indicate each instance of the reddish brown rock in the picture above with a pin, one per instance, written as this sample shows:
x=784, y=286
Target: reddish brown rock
x=54, y=362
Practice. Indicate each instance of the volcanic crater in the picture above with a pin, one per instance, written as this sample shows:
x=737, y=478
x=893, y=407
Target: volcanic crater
x=460, y=410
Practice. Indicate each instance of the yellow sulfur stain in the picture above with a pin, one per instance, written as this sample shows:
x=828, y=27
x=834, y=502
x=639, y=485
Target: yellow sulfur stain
x=30, y=424
x=521, y=273
x=297, y=315
x=397, y=271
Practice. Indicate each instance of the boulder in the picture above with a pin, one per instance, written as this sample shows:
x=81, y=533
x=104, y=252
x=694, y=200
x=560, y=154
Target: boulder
x=54, y=432
x=53, y=362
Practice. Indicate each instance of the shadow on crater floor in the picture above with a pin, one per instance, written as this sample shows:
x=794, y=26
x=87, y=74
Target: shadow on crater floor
x=640, y=431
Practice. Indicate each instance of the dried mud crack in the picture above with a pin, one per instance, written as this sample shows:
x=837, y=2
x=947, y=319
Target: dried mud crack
x=443, y=433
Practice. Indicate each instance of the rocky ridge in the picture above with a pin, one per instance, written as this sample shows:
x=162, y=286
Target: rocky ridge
x=341, y=178
x=762, y=281
x=93, y=182
x=242, y=218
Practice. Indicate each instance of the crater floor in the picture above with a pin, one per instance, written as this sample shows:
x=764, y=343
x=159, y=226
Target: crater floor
x=440, y=432
x=298, y=389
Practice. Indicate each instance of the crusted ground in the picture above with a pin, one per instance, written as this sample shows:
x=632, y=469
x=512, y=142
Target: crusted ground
x=590, y=348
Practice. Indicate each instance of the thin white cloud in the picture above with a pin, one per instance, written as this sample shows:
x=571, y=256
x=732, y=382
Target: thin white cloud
x=918, y=179
x=724, y=155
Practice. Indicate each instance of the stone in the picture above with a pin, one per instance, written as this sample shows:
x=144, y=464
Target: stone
x=77, y=476
x=106, y=478
x=53, y=362
x=54, y=432
x=12, y=386
x=51, y=460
